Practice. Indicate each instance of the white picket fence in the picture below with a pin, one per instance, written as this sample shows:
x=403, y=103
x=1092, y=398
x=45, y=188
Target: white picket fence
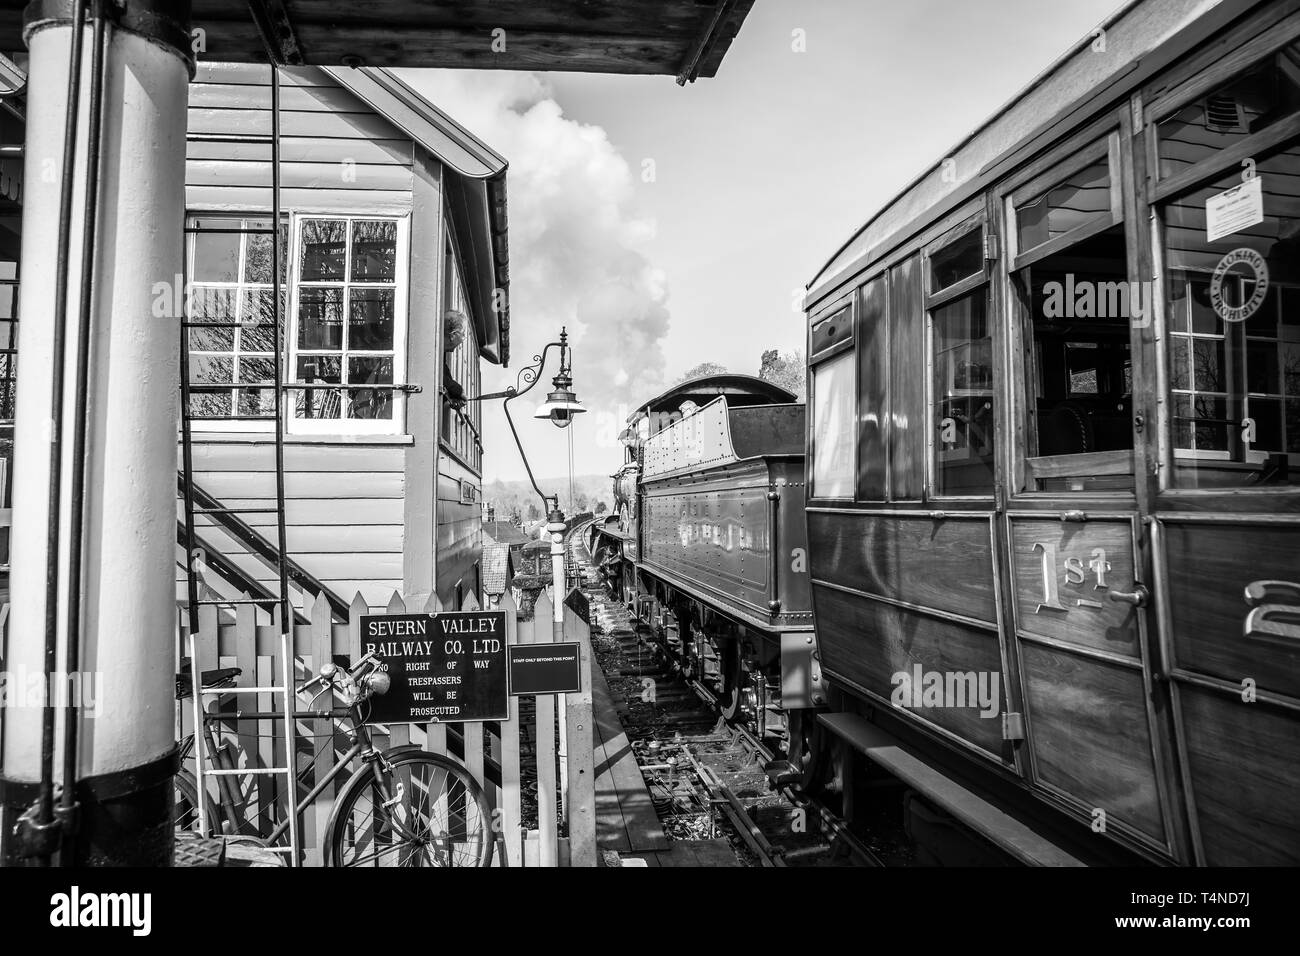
x=502, y=755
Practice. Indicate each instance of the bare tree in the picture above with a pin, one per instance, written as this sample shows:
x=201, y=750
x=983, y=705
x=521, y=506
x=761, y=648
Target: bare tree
x=703, y=369
x=787, y=369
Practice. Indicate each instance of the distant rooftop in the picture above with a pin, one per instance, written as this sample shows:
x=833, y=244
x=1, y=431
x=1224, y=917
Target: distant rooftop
x=504, y=532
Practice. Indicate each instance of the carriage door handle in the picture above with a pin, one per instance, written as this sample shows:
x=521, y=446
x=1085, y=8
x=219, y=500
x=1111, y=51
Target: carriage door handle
x=1138, y=597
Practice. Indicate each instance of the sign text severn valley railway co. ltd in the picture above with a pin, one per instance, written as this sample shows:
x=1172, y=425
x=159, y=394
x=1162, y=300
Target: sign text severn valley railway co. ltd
x=444, y=667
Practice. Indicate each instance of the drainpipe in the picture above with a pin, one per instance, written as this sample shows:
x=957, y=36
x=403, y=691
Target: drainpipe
x=125, y=750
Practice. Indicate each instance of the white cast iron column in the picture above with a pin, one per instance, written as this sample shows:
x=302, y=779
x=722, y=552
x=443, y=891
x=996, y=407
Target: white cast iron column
x=128, y=586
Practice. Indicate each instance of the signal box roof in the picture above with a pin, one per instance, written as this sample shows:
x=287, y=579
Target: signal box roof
x=682, y=38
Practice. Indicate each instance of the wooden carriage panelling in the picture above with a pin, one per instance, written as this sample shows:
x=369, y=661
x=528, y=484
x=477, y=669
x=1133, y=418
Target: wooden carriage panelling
x=1232, y=649
x=1089, y=726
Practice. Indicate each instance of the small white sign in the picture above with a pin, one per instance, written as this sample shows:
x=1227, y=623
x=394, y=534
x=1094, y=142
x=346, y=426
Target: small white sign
x=1234, y=209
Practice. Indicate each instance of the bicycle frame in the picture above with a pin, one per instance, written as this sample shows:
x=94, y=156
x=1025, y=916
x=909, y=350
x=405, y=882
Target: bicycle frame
x=362, y=747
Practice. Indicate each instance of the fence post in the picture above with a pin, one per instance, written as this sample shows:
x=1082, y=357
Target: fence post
x=511, y=809
x=472, y=733
x=581, y=795
x=322, y=652
x=398, y=734
x=435, y=734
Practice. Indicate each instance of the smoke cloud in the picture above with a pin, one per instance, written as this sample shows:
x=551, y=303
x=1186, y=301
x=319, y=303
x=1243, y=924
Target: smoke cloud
x=575, y=260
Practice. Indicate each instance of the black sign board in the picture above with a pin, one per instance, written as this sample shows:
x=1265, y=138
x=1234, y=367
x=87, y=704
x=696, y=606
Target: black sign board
x=445, y=667
x=544, y=669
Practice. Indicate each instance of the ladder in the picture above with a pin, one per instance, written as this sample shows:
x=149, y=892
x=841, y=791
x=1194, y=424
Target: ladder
x=198, y=504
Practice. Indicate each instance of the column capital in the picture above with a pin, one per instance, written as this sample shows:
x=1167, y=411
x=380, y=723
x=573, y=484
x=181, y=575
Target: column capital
x=162, y=22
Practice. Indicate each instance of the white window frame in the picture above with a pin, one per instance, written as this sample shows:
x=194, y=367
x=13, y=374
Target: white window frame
x=350, y=426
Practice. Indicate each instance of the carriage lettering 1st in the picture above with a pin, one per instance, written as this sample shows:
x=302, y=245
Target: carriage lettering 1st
x=1075, y=573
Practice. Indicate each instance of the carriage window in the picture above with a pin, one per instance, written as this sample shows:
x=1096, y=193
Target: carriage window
x=957, y=261
x=1249, y=103
x=1079, y=374
x=962, y=396
x=833, y=433
x=1233, y=314
x=1080, y=201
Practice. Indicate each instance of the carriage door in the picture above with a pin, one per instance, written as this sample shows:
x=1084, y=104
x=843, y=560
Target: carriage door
x=1073, y=530
x=1225, y=190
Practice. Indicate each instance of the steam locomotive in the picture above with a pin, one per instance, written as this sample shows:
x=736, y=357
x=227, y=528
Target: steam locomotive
x=1033, y=557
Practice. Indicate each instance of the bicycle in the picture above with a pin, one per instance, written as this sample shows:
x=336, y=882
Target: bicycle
x=403, y=806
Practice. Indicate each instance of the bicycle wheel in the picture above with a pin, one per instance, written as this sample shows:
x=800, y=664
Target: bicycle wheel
x=185, y=806
x=419, y=809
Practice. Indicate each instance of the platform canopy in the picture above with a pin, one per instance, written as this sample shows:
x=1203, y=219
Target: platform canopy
x=682, y=38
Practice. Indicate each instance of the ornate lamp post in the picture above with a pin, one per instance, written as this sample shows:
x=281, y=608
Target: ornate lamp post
x=560, y=407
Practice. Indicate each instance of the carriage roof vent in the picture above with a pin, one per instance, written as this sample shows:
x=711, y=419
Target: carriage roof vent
x=1223, y=114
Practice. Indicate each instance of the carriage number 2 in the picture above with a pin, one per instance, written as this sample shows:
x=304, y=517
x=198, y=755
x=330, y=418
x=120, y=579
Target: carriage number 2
x=1074, y=574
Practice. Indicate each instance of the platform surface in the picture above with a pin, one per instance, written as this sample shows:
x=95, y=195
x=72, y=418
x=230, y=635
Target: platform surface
x=625, y=815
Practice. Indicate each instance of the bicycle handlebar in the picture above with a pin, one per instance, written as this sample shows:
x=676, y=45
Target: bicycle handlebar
x=329, y=675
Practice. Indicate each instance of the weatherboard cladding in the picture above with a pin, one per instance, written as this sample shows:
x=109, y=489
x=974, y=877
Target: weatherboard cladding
x=345, y=503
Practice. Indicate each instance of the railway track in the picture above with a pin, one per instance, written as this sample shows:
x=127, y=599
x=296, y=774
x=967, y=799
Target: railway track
x=706, y=776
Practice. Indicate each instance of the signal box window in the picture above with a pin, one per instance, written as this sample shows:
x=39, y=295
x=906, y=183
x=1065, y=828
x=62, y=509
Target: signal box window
x=231, y=299
x=348, y=323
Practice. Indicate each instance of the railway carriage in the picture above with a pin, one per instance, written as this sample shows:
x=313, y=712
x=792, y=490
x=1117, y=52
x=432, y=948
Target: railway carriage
x=1052, y=474
x=1054, y=454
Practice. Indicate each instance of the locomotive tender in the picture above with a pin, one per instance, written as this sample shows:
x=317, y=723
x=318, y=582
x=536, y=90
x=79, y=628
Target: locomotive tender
x=1052, y=466
x=708, y=540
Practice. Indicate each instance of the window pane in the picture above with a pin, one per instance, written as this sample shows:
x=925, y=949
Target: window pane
x=324, y=249
x=961, y=259
x=1081, y=199
x=210, y=405
x=320, y=318
x=256, y=402
x=962, y=401
x=371, y=370
x=374, y=251
x=211, y=369
x=873, y=373
x=213, y=305
x=216, y=255
x=371, y=402
x=319, y=403
x=256, y=370
x=371, y=320
x=833, y=432
x=212, y=340
x=257, y=317
x=1233, y=326
x=257, y=251
x=1247, y=104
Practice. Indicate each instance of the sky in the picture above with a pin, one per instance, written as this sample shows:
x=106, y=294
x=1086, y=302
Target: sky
x=666, y=226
